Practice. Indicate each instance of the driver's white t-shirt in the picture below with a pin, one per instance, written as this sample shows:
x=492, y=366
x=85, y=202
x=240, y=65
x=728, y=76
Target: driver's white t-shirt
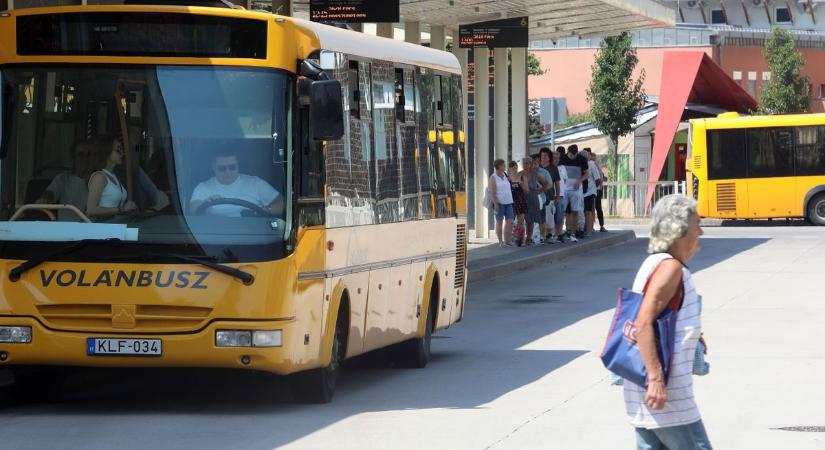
x=245, y=187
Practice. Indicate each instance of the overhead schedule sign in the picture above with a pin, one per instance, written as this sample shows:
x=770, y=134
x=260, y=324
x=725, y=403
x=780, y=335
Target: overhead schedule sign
x=495, y=34
x=354, y=11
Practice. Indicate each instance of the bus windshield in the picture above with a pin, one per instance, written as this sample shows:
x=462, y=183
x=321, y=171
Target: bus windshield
x=188, y=156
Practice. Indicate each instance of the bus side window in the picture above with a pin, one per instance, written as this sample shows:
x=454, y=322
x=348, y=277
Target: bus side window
x=353, y=91
x=810, y=150
x=770, y=152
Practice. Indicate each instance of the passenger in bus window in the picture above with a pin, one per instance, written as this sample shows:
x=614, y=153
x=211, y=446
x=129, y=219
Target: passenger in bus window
x=69, y=188
x=229, y=184
x=107, y=195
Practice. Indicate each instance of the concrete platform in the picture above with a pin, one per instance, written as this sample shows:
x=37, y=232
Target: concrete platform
x=486, y=260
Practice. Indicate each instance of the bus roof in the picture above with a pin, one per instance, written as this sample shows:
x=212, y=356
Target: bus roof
x=778, y=120
x=324, y=36
x=361, y=44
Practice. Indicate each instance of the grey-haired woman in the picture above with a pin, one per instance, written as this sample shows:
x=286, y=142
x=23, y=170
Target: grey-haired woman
x=664, y=412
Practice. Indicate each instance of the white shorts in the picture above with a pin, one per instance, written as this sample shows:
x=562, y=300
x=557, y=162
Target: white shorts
x=575, y=200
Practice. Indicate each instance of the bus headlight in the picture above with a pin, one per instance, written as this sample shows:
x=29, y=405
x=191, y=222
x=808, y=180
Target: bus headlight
x=248, y=338
x=16, y=335
x=266, y=338
x=233, y=338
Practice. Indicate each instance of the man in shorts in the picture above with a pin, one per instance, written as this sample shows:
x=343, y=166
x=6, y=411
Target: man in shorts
x=577, y=172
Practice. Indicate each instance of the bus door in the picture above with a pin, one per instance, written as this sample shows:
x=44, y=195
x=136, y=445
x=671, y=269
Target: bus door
x=771, y=185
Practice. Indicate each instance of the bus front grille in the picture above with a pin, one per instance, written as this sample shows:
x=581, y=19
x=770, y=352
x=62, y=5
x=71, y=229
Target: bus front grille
x=112, y=316
x=726, y=197
x=460, y=254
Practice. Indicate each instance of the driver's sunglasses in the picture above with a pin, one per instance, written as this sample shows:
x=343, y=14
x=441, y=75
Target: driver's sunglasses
x=225, y=167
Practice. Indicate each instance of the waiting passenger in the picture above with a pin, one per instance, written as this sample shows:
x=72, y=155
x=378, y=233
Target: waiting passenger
x=107, y=196
x=69, y=188
x=229, y=183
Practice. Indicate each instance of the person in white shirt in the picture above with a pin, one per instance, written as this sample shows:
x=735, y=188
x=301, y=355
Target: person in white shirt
x=228, y=184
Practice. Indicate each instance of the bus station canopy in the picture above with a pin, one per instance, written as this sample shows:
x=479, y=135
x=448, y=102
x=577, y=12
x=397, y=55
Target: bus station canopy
x=690, y=77
x=549, y=19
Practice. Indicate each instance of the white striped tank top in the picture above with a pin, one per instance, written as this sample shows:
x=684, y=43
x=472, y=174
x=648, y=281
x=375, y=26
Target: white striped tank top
x=680, y=408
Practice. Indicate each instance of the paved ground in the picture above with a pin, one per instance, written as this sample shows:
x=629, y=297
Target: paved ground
x=521, y=372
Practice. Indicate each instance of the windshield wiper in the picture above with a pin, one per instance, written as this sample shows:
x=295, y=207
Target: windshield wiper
x=207, y=261
x=14, y=274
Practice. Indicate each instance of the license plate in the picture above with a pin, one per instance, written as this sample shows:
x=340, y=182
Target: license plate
x=123, y=347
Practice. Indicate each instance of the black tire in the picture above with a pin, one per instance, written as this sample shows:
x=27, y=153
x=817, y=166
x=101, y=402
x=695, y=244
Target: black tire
x=38, y=385
x=415, y=353
x=318, y=385
x=816, y=210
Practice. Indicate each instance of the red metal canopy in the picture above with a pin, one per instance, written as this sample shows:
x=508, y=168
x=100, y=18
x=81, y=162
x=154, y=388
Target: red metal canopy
x=690, y=77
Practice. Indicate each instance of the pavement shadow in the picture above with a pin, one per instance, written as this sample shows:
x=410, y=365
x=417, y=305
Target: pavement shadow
x=473, y=364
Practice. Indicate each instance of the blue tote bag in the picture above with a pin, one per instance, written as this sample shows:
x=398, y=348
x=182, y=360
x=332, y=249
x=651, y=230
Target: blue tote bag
x=621, y=353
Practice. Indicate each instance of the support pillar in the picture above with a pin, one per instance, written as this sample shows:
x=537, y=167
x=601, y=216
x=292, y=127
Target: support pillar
x=412, y=32
x=438, y=37
x=502, y=104
x=282, y=7
x=519, y=61
x=384, y=30
x=482, y=139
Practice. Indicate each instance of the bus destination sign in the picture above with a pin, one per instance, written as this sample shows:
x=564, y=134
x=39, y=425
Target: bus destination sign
x=495, y=34
x=354, y=11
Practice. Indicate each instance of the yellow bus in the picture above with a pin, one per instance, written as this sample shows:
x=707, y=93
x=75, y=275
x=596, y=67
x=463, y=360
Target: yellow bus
x=214, y=187
x=758, y=167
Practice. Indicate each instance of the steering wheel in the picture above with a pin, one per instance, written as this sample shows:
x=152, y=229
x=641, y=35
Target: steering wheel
x=260, y=212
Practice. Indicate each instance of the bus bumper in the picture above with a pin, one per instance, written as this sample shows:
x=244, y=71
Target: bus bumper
x=196, y=349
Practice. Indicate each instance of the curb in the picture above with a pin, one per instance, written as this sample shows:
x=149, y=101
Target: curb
x=515, y=265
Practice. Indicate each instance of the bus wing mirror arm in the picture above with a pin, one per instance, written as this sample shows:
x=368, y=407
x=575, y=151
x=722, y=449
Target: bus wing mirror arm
x=326, y=110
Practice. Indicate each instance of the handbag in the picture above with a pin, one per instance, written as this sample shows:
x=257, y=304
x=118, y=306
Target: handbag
x=487, y=201
x=700, y=366
x=621, y=355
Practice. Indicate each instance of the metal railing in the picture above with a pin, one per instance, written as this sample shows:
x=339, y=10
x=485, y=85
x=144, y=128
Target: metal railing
x=626, y=199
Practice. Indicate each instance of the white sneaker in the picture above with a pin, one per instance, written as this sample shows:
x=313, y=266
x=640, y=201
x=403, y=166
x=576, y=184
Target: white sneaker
x=573, y=238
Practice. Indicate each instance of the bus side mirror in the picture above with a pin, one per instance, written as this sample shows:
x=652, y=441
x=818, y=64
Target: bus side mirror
x=326, y=112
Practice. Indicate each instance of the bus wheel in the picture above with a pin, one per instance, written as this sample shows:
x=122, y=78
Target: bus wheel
x=318, y=385
x=816, y=210
x=38, y=385
x=415, y=353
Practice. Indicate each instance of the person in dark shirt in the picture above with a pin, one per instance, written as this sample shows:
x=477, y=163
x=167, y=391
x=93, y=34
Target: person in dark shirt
x=577, y=172
x=553, y=196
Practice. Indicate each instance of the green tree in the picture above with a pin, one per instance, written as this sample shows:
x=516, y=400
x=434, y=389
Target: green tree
x=615, y=97
x=576, y=119
x=787, y=91
x=534, y=64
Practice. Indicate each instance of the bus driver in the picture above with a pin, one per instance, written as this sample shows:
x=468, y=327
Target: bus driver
x=229, y=183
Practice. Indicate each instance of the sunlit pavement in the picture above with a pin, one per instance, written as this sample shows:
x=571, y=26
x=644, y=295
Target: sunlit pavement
x=520, y=372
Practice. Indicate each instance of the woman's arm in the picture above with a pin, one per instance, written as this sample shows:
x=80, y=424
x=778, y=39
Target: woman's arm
x=96, y=185
x=545, y=185
x=660, y=290
x=491, y=185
